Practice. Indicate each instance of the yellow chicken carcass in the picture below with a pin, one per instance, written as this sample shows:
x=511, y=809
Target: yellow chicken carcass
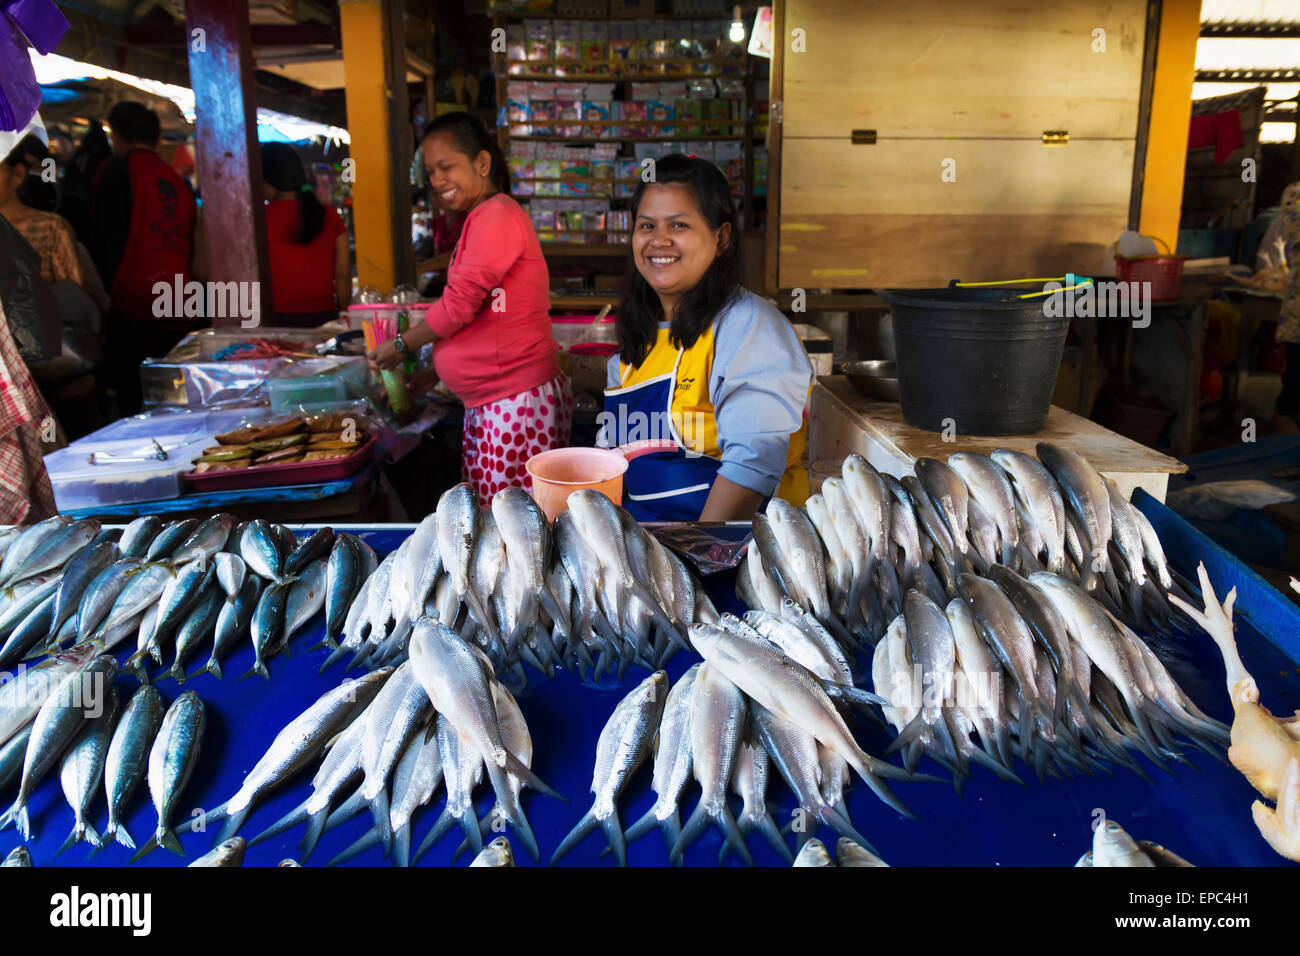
x=1265, y=748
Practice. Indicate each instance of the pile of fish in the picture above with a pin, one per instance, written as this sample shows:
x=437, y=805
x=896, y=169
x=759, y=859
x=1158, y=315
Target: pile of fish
x=174, y=586
x=1031, y=668
x=852, y=552
x=64, y=712
x=758, y=700
x=388, y=740
x=593, y=592
x=1112, y=846
x=814, y=853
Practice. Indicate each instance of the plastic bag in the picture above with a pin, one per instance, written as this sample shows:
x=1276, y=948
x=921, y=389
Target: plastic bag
x=29, y=305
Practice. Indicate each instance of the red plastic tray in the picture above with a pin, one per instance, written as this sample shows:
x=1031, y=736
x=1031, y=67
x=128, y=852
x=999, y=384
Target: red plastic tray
x=290, y=473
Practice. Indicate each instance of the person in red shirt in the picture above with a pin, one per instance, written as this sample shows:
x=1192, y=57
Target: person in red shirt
x=492, y=327
x=311, y=266
x=144, y=219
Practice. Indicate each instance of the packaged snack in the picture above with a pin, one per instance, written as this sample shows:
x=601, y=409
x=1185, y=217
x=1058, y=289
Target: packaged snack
x=595, y=47
x=661, y=112
x=717, y=113
x=634, y=110
x=516, y=48
x=596, y=112
x=622, y=45
x=689, y=114
x=539, y=45
x=517, y=107
x=729, y=156
x=704, y=89
x=731, y=88
x=568, y=47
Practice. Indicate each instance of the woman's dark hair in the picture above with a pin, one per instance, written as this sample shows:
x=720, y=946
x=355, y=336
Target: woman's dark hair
x=640, y=311
x=33, y=192
x=472, y=137
x=135, y=123
x=282, y=169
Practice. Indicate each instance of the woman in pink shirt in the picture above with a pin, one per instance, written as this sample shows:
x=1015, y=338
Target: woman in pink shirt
x=492, y=327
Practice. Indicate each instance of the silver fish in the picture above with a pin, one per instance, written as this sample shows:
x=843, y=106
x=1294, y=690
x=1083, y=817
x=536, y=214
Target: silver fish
x=196, y=628
x=12, y=752
x=457, y=521
x=25, y=597
x=1040, y=499
x=33, y=629
x=167, y=540
x=948, y=493
x=315, y=547
x=496, y=853
x=1086, y=492
x=84, y=568
x=415, y=778
x=231, y=571
x=342, y=582
x=260, y=550
x=138, y=535
x=624, y=744
x=102, y=592
x=672, y=764
x=527, y=536
x=172, y=758
x=717, y=721
x=989, y=485
x=206, y=540
x=306, y=597
x=813, y=853
x=749, y=780
x=851, y=854
x=233, y=618
x=22, y=698
x=144, y=589
x=83, y=768
x=127, y=758
x=227, y=853
x=400, y=707
x=267, y=626
x=1112, y=846
x=35, y=545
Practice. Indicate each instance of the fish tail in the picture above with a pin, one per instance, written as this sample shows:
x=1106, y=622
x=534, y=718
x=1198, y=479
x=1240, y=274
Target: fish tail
x=78, y=833
x=166, y=838
x=644, y=825
x=121, y=835
x=767, y=826
x=379, y=811
x=836, y=821
x=696, y=824
x=584, y=826
x=402, y=846
x=524, y=831
x=732, y=837
x=150, y=845
x=315, y=827
x=912, y=732
x=289, y=820
x=233, y=822
x=469, y=826
x=440, y=828
x=259, y=668
x=985, y=760
x=368, y=839
x=879, y=787
x=335, y=656
x=521, y=770
x=214, y=815
x=947, y=736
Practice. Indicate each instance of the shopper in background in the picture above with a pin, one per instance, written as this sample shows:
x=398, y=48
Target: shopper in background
x=720, y=364
x=144, y=220
x=78, y=188
x=311, y=265
x=25, y=492
x=492, y=328
x=1288, y=323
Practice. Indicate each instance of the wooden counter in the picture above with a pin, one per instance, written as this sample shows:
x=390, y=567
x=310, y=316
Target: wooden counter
x=844, y=421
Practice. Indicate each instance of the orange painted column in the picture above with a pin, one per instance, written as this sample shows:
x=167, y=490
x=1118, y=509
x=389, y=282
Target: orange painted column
x=1171, y=114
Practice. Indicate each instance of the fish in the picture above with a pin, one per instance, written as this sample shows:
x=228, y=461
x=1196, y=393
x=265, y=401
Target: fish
x=850, y=854
x=260, y=549
x=1152, y=549
x=298, y=743
x=462, y=768
x=18, y=856
x=167, y=540
x=1040, y=500
x=800, y=545
x=457, y=520
x=813, y=853
x=34, y=542
x=143, y=590
x=1112, y=846
x=231, y=571
x=196, y=628
x=81, y=570
x=26, y=597
x=306, y=596
x=1161, y=856
x=127, y=758
x=22, y=698
x=32, y=630
x=932, y=649
x=749, y=780
x=718, y=716
x=12, y=752
x=205, y=541
x=172, y=759
x=227, y=853
x=79, y=696
x=342, y=581
x=289, y=863
x=527, y=536
x=949, y=495
x=82, y=769
x=401, y=706
x=267, y=626
x=138, y=535
x=672, y=763
x=233, y=618
x=1086, y=492
x=990, y=486
x=101, y=593
x=317, y=546
x=496, y=853
x=415, y=779
x=624, y=744
x=790, y=692
x=179, y=596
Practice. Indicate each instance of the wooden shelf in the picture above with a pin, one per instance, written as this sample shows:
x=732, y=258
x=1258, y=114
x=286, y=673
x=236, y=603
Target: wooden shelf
x=583, y=301
x=602, y=249
x=589, y=140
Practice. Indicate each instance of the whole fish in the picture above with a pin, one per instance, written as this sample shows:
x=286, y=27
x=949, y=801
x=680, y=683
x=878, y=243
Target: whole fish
x=80, y=696
x=1040, y=499
x=415, y=778
x=231, y=571
x=166, y=541
x=7, y=537
x=33, y=629
x=181, y=594
x=196, y=628
x=1152, y=549
x=496, y=853
x=426, y=560
x=717, y=721
x=206, y=540
x=233, y=618
x=315, y=547
x=260, y=549
x=22, y=698
x=102, y=592
x=851, y=854
x=672, y=763
x=813, y=853
x=83, y=769
x=12, y=752
x=791, y=692
x=227, y=853
x=142, y=590
x=400, y=707
x=462, y=770
x=527, y=536
x=267, y=626
x=342, y=582
x=798, y=541
x=457, y=521
x=172, y=758
x=26, y=596
x=749, y=780
x=138, y=535
x=1112, y=846
x=298, y=744
x=624, y=744
x=306, y=596
x=989, y=485
x=31, y=541
x=1086, y=492
x=84, y=568
x=127, y=758
x=950, y=497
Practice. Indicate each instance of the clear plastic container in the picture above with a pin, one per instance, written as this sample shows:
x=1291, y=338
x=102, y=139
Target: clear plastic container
x=313, y=381
x=113, y=481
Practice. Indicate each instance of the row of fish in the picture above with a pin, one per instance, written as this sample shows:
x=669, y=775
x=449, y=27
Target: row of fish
x=64, y=712
x=174, y=586
x=1033, y=668
x=855, y=548
x=767, y=695
x=389, y=740
x=593, y=592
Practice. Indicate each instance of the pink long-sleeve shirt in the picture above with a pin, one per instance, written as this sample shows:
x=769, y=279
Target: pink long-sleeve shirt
x=493, y=321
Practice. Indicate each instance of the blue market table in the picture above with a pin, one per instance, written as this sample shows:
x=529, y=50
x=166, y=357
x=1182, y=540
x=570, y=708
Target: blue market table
x=1202, y=813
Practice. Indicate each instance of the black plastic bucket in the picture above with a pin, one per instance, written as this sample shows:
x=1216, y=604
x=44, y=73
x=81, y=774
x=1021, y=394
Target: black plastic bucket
x=974, y=363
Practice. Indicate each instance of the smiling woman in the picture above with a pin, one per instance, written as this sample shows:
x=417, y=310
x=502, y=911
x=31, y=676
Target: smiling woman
x=723, y=365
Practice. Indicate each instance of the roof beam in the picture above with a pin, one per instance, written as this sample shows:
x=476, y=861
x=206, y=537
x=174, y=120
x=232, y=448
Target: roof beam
x=1256, y=31
x=264, y=35
x=1248, y=76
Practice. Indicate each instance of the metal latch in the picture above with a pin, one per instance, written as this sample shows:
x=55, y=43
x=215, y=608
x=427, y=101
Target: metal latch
x=863, y=137
x=1056, y=137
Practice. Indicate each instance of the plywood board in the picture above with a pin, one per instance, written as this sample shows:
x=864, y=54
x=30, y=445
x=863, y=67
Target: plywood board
x=952, y=67
x=875, y=251
x=958, y=177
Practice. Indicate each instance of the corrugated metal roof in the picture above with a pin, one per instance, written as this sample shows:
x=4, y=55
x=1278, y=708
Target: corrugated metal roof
x=1234, y=53
x=1250, y=11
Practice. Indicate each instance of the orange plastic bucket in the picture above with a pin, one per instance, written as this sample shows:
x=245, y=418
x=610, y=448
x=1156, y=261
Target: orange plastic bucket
x=560, y=472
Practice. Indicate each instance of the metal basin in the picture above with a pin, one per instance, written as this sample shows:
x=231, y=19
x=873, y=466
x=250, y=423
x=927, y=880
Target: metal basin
x=875, y=379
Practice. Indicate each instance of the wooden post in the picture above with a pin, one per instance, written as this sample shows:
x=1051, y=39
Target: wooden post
x=228, y=158
x=374, y=68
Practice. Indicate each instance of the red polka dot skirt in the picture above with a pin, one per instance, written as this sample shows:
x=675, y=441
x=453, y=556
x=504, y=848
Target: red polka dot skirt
x=499, y=437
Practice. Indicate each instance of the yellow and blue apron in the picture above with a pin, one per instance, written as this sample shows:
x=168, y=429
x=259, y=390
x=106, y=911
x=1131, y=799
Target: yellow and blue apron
x=669, y=392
